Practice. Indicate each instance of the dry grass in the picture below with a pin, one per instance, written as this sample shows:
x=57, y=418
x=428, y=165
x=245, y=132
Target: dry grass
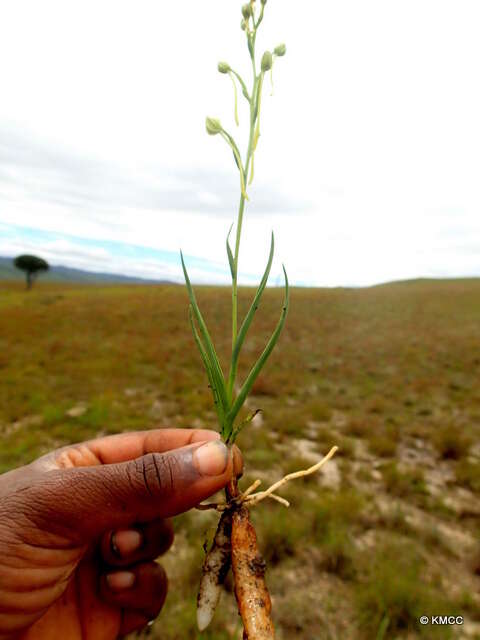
x=390, y=374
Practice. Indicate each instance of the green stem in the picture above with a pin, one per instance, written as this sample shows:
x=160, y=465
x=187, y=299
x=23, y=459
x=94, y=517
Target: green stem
x=241, y=209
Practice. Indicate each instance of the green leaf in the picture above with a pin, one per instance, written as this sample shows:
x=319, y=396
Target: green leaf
x=236, y=161
x=242, y=84
x=236, y=154
x=248, y=318
x=382, y=630
x=252, y=376
x=231, y=261
x=201, y=348
x=233, y=436
x=251, y=50
x=252, y=169
x=256, y=134
x=217, y=374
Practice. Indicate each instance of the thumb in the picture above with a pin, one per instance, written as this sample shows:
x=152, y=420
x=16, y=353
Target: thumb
x=84, y=502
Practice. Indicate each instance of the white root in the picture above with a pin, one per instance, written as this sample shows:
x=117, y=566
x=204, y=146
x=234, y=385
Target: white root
x=279, y=499
x=251, y=488
x=250, y=499
x=215, y=568
x=269, y=493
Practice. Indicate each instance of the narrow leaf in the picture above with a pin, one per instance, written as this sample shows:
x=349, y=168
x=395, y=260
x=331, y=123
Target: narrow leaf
x=252, y=169
x=382, y=630
x=249, y=317
x=242, y=84
x=231, y=261
x=217, y=373
x=250, y=47
x=258, y=109
x=201, y=348
x=233, y=436
x=238, y=161
x=252, y=376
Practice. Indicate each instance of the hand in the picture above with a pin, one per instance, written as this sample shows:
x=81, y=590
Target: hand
x=81, y=526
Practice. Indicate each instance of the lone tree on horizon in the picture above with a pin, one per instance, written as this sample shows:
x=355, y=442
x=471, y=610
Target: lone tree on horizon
x=32, y=265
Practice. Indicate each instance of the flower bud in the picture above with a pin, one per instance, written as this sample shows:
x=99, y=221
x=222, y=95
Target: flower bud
x=243, y=25
x=266, y=61
x=280, y=51
x=224, y=67
x=247, y=11
x=213, y=126
x=264, y=2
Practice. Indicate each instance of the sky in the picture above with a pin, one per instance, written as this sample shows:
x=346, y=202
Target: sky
x=367, y=167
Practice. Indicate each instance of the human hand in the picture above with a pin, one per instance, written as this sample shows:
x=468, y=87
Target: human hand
x=81, y=526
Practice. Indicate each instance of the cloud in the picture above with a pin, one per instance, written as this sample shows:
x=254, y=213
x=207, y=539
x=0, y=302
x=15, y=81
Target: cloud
x=51, y=174
x=367, y=166
x=112, y=257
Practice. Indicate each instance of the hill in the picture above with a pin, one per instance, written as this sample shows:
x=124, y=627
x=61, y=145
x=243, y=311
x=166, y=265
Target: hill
x=58, y=273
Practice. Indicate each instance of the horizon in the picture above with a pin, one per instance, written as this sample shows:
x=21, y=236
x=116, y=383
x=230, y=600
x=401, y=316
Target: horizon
x=139, y=280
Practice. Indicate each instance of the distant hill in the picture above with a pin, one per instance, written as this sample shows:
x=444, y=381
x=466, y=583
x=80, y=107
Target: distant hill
x=67, y=274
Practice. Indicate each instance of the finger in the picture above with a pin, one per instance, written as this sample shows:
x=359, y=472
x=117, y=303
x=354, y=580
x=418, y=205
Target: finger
x=142, y=589
x=123, y=447
x=85, y=502
x=144, y=542
x=132, y=621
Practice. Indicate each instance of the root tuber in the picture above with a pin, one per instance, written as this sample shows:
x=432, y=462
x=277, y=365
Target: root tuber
x=248, y=566
x=215, y=568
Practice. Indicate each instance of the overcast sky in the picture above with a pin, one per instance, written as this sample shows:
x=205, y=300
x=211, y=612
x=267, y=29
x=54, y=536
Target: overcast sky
x=368, y=167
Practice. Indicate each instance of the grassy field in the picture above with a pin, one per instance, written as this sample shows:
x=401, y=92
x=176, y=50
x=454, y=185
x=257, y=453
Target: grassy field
x=391, y=374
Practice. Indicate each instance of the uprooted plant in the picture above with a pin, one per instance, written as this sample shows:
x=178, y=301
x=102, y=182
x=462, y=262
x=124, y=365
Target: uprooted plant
x=235, y=541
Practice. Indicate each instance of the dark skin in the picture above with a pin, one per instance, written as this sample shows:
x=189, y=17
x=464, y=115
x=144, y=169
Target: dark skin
x=80, y=529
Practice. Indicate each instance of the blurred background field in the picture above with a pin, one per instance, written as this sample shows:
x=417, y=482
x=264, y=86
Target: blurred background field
x=389, y=531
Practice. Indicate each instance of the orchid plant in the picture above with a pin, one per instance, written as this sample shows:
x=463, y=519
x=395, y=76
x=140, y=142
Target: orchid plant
x=228, y=402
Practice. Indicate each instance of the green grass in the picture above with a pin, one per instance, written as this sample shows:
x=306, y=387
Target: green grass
x=373, y=371
x=394, y=588
x=403, y=483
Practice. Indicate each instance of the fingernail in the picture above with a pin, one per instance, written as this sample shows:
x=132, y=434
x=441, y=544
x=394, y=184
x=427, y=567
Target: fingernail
x=126, y=542
x=211, y=459
x=120, y=580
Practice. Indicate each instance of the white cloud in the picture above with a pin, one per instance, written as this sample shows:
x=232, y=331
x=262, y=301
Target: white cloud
x=373, y=130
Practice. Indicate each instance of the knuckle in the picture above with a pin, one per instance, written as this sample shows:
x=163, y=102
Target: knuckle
x=157, y=473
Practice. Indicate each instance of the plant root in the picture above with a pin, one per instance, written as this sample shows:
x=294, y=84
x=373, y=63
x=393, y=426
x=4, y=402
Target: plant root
x=235, y=543
x=269, y=493
x=215, y=568
x=250, y=499
x=248, y=566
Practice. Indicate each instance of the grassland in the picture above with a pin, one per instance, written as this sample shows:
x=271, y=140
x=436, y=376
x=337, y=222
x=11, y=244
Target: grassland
x=391, y=374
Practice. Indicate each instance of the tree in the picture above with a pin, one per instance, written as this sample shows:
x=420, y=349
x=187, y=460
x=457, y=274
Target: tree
x=32, y=265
